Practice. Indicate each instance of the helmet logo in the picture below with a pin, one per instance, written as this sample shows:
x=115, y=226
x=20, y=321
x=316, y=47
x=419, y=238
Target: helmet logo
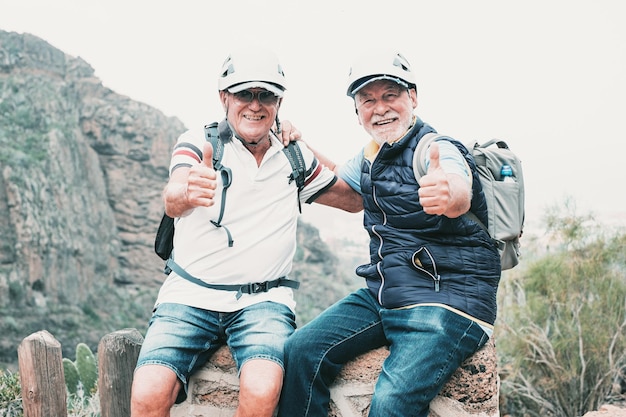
x=401, y=62
x=228, y=71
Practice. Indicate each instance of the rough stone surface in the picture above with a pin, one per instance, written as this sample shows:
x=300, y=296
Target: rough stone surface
x=608, y=411
x=471, y=391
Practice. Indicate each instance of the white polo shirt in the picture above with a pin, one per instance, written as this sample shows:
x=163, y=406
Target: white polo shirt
x=261, y=213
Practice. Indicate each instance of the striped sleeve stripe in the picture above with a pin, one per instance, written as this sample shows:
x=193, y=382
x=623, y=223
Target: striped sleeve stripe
x=187, y=149
x=316, y=168
x=175, y=167
x=322, y=191
x=313, y=167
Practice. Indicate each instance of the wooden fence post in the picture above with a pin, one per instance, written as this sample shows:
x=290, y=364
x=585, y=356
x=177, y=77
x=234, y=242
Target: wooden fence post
x=41, y=376
x=117, y=357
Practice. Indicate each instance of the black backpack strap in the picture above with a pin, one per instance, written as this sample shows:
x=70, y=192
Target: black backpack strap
x=294, y=155
x=213, y=133
x=252, y=288
x=298, y=167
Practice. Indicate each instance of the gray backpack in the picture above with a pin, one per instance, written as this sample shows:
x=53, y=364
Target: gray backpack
x=503, y=188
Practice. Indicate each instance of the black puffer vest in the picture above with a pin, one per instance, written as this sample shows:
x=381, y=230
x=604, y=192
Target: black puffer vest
x=421, y=258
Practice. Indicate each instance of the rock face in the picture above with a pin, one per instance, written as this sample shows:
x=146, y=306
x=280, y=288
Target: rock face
x=81, y=173
x=84, y=146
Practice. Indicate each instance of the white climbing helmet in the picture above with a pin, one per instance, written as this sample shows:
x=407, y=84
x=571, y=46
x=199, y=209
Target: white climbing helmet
x=380, y=65
x=252, y=67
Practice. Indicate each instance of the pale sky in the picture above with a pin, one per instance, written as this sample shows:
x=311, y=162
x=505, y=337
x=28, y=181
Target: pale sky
x=549, y=77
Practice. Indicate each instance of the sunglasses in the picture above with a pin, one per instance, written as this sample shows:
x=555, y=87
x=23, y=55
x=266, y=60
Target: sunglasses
x=265, y=97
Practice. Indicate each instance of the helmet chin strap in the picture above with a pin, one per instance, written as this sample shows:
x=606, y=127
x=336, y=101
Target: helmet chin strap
x=278, y=126
x=252, y=144
x=246, y=143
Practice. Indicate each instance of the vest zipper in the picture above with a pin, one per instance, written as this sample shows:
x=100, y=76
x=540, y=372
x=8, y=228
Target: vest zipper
x=382, y=284
x=434, y=275
x=380, y=239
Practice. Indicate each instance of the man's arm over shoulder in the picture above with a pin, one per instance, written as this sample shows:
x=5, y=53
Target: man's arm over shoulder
x=341, y=195
x=335, y=192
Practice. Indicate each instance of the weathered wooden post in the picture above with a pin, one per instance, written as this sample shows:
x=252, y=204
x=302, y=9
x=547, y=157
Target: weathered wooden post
x=117, y=357
x=41, y=376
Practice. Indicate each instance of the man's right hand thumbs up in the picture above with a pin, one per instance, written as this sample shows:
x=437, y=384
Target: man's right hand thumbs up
x=207, y=155
x=201, y=182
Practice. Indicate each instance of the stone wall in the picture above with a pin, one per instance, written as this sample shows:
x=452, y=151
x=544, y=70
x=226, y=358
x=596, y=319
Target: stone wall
x=471, y=392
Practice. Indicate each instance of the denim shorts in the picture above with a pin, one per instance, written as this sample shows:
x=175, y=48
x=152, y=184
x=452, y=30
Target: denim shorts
x=183, y=338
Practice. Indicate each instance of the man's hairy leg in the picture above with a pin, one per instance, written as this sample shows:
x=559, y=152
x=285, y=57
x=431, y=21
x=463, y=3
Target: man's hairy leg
x=154, y=391
x=260, y=382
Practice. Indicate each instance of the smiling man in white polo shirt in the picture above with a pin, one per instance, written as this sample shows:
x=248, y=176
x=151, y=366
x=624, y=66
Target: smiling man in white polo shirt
x=201, y=305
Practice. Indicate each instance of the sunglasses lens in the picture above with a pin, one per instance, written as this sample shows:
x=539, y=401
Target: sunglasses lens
x=265, y=97
x=245, y=96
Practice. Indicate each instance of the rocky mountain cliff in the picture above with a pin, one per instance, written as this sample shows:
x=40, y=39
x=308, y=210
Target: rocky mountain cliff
x=81, y=172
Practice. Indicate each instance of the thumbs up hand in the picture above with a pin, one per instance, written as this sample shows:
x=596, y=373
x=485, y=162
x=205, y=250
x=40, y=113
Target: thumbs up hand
x=207, y=155
x=435, y=193
x=201, y=181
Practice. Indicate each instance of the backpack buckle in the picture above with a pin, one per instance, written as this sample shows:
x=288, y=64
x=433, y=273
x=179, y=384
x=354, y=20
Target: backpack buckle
x=257, y=287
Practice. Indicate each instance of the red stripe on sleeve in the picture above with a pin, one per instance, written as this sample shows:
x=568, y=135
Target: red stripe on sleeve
x=186, y=152
x=315, y=173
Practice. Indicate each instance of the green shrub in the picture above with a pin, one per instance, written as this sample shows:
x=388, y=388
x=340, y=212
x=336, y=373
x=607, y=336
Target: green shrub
x=563, y=340
x=10, y=395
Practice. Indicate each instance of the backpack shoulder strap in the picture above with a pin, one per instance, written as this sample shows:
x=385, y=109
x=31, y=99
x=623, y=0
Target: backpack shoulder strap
x=419, y=168
x=298, y=167
x=212, y=135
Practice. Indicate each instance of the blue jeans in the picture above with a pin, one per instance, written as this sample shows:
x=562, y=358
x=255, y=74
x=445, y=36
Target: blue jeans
x=183, y=338
x=427, y=344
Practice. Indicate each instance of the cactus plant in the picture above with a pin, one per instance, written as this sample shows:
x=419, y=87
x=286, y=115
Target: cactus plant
x=82, y=373
x=71, y=376
x=87, y=368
